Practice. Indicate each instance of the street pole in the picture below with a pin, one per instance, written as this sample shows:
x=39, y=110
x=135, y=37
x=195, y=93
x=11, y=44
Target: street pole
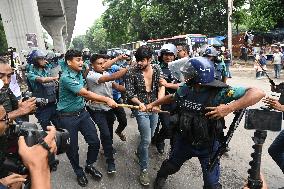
x=230, y=11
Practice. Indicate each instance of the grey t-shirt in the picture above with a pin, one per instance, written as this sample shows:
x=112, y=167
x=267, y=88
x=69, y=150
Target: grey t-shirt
x=104, y=89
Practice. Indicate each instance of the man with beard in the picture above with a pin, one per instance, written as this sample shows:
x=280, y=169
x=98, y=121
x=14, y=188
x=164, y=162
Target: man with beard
x=142, y=86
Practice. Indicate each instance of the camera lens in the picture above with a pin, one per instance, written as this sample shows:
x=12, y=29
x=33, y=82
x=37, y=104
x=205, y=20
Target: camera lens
x=62, y=140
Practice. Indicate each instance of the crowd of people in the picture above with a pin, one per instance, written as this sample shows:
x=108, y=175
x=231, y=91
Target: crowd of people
x=89, y=92
x=261, y=60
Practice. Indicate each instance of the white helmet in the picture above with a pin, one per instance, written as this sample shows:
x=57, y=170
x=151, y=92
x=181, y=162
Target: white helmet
x=86, y=50
x=170, y=48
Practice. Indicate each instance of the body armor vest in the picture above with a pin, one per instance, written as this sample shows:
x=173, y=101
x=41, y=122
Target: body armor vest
x=46, y=91
x=193, y=125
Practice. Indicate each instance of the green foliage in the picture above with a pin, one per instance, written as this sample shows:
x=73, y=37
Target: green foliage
x=95, y=38
x=78, y=43
x=265, y=14
x=3, y=41
x=132, y=20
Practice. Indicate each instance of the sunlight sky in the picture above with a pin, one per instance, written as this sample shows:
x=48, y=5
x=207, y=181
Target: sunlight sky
x=87, y=12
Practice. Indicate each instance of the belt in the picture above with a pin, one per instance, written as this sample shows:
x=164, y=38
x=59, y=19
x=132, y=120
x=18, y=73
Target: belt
x=70, y=114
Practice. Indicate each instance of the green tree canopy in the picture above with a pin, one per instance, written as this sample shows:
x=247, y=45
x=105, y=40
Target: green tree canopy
x=78, y=42
x=3, y=41
x=266, y=14
x=95, y=38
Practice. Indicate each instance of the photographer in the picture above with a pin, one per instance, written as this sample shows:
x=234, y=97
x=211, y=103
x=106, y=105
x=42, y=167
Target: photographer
x=276, y=149
x=12, y=108
x=43, y=86
x=35, y=158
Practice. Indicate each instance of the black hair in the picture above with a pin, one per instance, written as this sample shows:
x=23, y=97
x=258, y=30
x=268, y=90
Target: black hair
x=143, y=52
x=95, y=57
x=185, y=47
x=103, y=51
x=3, y=60
x=70, y=54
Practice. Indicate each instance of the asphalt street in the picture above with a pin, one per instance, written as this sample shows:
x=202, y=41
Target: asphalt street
x=233, y=167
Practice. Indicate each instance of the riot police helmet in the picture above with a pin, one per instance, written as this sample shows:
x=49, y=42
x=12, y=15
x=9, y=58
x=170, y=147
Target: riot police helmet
x=200, y=70
x=35, y=55
x=168, y=48
x=86, y=54
x=209, y=50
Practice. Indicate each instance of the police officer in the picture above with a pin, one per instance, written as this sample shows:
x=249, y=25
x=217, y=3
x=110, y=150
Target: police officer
x=43, y=86
x=86, y=59
x=213, y=55
x=74, y=117
x=168, y=53
x=199, y=131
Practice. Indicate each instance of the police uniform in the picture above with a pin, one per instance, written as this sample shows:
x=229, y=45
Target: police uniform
x=220, y=69
x=46, y=114
x=193, y=140
x=165, y=131
x=74, y=117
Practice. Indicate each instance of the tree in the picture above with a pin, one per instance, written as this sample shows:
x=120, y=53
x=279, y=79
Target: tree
x=132, y=20
x=95, y=38
x=265, y=14
x=3, y=41
x=78, y=42
x=239, y=18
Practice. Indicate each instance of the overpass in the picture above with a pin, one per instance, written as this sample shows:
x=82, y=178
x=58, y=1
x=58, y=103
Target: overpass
x=23, y=21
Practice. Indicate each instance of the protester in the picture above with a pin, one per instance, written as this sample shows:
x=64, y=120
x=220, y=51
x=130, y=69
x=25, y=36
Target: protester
x=142, y=87
x=101, y=82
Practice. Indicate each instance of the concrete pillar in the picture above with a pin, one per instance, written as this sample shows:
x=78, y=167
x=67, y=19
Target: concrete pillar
x=19, y=19
x=54, y=26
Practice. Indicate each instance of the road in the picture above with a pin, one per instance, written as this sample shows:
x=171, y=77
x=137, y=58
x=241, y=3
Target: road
x=233, y=167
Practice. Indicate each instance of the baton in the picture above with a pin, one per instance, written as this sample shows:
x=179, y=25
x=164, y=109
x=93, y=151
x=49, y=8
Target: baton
x=129, y=106
x=270, y=80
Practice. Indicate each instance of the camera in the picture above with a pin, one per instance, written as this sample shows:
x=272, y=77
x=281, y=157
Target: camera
x=263, y=119
x=39, y=101
x=128, y=57
x=33, y=136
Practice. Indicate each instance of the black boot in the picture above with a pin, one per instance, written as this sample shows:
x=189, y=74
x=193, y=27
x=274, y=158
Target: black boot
x=160, y=147
x=216, y=186
x=159, y=183
x=167, y=168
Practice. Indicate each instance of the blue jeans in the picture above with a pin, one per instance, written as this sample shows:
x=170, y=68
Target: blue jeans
x=105, y=120
x=184, y=151
x=147, y=123
x=276, y=150
x=83, y=123
x=228, y=69
x=277, y=69
x=47, y=115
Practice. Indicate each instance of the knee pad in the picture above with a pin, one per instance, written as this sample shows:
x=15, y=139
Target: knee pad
x=167, y=168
